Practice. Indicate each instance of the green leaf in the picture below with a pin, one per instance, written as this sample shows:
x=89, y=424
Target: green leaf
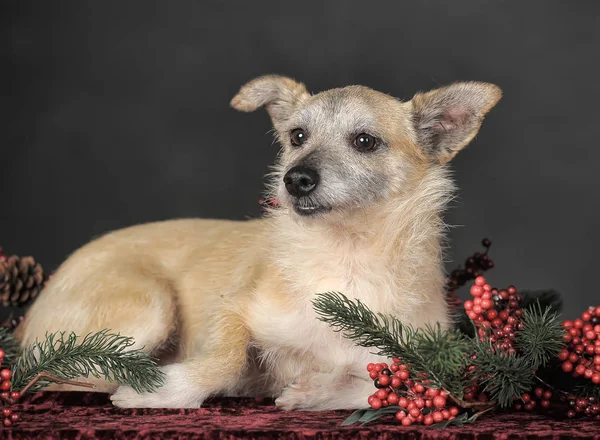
x=354, y=417
x=368, y=415
x=373, y=414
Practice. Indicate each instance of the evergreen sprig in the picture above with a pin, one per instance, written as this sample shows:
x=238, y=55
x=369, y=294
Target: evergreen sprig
x=541, y=337
x=501, y=374
x=100, y=354
x=440, y=355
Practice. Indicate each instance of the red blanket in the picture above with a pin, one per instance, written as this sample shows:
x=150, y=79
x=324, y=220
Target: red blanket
x=91, y=416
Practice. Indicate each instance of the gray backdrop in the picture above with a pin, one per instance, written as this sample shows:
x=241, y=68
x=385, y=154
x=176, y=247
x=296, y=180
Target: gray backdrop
x=116, y=112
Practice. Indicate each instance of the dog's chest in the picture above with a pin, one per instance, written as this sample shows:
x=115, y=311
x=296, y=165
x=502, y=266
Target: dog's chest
x=284, y=323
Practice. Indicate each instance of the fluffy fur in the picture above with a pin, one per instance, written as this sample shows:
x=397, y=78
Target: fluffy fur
x=226, y=305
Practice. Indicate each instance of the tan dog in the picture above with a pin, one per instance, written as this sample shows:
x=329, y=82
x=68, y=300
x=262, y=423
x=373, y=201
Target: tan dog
x=362, y=188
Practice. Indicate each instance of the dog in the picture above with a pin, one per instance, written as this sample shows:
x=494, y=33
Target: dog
x=362, y=185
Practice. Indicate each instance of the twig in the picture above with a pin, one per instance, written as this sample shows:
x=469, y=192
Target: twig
x=482, y=412
x=55, y=379
x=463, y=404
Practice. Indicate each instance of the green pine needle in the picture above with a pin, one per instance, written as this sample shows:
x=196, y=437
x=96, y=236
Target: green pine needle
x=100, y=354
x=541, y=337
x=502, y=375
x=9, y=344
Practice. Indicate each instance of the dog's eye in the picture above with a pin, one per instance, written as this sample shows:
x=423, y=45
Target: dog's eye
x=298, y=137
x=365, y=142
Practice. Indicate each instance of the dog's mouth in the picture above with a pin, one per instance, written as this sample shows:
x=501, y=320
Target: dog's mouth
x=310, y=209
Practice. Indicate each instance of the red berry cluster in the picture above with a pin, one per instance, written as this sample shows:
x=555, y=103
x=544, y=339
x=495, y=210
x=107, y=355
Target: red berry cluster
x=496, y=313
x=583, y=406
x=540, y=399
x=6, y=395
x=475, y=265
x=581, y=356
x=417, y=403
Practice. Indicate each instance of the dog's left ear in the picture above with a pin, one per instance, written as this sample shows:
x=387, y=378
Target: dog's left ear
x=447, y=119
x=278, y=94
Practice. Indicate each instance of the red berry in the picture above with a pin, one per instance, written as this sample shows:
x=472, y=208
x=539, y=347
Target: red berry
x=446, y=414
x=370, y=399
x=439, y=401
x=370, y=366
x=468, y=305
x=563, y=355
x=476, y=290
x=396, y=382
x=15, y=395
x=392, y=398
x=480, y=281
x=381, y=394
x=526, y=398
x=5, y=374
x=5, y=385
x=6, y=412
x=376, y=403
x=384, y=380
x=437, y=416
x=420, y=402
x=406, y=421
x=400, y=415
x=419, y=388
x=486, y=304
x=7, y=422
x=596, y=378
x=454, y=411
x=1, y=354
x=373, y=374
x=378, y=367
x=428, y=420
x=545, y=403
x=414, y=412
x=403, y=374
x=402, y=402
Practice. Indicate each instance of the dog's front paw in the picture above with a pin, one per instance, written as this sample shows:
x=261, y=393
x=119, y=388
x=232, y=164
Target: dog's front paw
x=296, y=395
x=177, y=392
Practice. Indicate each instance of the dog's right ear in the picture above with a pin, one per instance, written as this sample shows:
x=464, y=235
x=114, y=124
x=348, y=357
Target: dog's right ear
x=278, y=94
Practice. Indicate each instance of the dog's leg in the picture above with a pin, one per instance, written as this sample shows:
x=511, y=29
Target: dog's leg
x=322, y=391
x=215, y=370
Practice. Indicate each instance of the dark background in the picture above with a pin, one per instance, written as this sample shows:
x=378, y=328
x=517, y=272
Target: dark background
x=116, y=113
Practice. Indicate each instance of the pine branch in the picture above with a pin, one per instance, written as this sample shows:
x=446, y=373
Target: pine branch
x=541, y=337
x=438, y=355
x=502, y=375
x=360, y=324
x=9, y=344
x=100, y=354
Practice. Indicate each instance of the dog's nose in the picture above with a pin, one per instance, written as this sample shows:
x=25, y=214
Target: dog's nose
x=301, y=181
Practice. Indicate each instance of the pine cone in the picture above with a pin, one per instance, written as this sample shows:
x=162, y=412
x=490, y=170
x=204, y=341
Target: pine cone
x=21, y=280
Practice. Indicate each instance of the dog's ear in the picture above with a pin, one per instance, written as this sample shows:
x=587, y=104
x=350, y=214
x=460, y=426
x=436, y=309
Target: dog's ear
x=447, y=119
x=278, y=94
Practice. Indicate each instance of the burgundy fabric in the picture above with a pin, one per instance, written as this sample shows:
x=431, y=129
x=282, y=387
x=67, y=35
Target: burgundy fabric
x=91, y=416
